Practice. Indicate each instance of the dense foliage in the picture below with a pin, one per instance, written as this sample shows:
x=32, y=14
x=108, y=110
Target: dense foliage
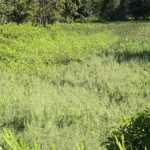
x=49, y=11
x=67, y=92
x=136, y=132
x=32, y=48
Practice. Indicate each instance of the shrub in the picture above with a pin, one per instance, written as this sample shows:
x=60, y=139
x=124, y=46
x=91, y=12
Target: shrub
x=136, y=132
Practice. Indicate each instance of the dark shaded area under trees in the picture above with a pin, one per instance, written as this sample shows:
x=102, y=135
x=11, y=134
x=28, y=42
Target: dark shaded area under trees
x=49, y=11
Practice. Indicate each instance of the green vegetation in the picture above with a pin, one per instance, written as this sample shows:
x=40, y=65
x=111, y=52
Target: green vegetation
x=15, y=144
x=136, y=132
x=49, y=11
x=33, y=48
x=65, y=86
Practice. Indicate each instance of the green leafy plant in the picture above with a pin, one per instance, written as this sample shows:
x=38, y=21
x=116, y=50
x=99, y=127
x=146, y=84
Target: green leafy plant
x=134, y=133
x=120, y=144
x=16, y=144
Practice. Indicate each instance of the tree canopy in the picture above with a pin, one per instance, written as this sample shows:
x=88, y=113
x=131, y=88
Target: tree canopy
x=49, y=11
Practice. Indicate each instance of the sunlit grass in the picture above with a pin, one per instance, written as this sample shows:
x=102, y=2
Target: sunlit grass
x=66, y=85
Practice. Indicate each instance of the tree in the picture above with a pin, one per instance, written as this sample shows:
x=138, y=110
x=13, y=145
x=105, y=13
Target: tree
x=6, y=8
x=139, y=9
x=123, y=9
x=110, y=9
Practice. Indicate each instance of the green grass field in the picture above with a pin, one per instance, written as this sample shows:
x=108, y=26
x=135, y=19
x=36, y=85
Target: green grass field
x=67, y=85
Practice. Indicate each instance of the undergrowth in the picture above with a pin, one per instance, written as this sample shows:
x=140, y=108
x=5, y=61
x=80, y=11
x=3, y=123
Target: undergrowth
x=67, y=84
x=134, y=132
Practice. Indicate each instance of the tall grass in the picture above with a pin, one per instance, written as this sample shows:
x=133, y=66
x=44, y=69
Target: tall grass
x=66, y=85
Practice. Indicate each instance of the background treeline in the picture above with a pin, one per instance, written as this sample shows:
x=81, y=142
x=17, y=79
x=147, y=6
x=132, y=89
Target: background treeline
x=49, y=11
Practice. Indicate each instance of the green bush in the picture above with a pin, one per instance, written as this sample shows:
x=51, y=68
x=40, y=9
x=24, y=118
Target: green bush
x=136, y=132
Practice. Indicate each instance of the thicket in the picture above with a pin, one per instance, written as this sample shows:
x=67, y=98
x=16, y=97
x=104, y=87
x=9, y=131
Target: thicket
x=49, y=11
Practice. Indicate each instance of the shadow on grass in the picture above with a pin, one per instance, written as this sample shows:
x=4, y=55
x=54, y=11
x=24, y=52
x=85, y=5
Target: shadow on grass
x=128, y=56
x=123, y=56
